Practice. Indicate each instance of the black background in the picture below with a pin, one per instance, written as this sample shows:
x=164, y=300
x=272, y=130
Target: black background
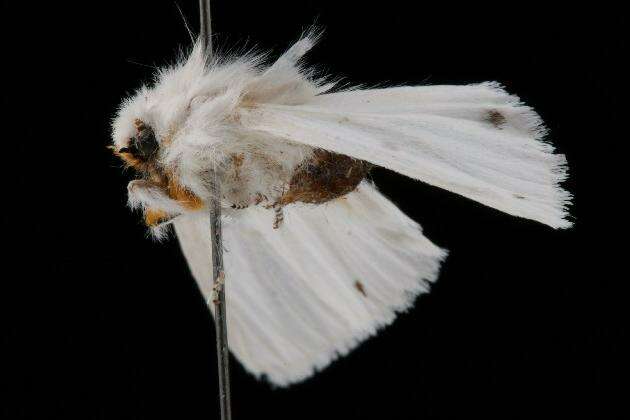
x=102, y=323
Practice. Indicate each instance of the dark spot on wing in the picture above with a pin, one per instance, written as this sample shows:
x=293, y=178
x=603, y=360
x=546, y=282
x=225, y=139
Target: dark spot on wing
x=495, y=118
x=359, y=286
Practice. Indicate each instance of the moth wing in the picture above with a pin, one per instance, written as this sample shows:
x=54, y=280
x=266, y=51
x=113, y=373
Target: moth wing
x=310, y=291
x=475, y=140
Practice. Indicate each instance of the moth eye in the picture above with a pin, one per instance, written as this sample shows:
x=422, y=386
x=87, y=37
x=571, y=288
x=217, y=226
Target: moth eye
x=144, y=145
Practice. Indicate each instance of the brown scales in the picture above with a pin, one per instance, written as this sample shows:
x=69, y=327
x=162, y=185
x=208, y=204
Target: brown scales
x=237, y=161
x=360, y=288
x=495, y=118
x=324, y=177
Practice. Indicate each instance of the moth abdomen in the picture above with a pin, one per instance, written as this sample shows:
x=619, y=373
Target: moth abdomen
x=324, y=177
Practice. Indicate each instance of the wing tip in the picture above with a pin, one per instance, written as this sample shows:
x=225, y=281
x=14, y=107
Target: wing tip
x=554, y=211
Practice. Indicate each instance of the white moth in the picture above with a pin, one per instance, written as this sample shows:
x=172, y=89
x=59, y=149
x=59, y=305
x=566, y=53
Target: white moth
x=317, y=259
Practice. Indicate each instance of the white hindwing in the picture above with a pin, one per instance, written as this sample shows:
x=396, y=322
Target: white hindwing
x=328, y=278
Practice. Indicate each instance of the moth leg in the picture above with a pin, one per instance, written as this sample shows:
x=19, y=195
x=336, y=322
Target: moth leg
x=259, y=198
x=217, y=287
x=279, y=216
x=143, y=194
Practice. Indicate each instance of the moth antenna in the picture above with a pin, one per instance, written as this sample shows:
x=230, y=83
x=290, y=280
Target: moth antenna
x=190, y=34
x=205, y=27
x=141, y=64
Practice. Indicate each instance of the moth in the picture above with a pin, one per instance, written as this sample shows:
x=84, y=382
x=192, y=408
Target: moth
x=317, y=259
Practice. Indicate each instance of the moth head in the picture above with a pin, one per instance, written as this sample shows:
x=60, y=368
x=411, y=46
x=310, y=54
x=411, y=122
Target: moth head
x=160, y=129
x=156, y=190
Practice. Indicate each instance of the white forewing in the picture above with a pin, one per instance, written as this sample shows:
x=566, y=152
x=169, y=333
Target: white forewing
x=328, y=278
x=474, y=140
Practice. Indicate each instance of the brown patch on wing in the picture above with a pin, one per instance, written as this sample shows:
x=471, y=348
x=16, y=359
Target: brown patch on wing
x=495, y=118
x=359, y=286
x=324, y=177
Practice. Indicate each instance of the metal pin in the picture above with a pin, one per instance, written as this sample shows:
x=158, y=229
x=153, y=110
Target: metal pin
x=205, y=26
x=218, y=276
